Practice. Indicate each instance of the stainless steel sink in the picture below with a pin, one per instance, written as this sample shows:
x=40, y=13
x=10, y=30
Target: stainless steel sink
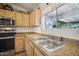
x=40, y=39
x=53, y=42
x=48, y=44
x=51, y=45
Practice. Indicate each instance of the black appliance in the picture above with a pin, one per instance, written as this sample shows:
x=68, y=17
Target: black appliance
x=7, y=36
x=5, y=21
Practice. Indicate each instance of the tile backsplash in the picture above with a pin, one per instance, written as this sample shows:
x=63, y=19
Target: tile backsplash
x=23, y=29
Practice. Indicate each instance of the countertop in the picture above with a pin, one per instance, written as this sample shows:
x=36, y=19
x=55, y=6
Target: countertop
x=70, y=49
x=69, y=36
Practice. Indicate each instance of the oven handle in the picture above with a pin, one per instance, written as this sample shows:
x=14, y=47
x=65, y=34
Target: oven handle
x=7, y=37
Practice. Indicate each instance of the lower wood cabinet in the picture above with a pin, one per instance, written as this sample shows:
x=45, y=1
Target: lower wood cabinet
x=29, y=48
x=37, y=52
x=21, y=54
x=23, y=44
x=19, y=44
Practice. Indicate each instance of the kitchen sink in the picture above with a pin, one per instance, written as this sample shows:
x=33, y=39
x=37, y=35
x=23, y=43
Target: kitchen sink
x=53, y=42
x=51, y=45
x=40, y=39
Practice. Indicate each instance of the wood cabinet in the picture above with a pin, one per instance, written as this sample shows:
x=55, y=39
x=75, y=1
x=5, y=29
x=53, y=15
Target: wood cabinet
x=26, y=20
x=27, y=45
x=19, y=19
x=29, y=48
x=21, y=54
x=22, y=19
x=37, y=52
x=10, y=14
x=35, y=17
x=7, y=13
x=19, y=44
x=32, y=19
x=2, y=12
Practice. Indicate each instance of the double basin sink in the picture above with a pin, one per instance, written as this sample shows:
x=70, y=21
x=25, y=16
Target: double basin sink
x=49, y=44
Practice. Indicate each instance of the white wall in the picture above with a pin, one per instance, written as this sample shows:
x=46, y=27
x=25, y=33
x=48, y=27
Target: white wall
x=24, y=29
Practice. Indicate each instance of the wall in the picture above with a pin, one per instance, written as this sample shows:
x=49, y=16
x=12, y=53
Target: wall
x=26, y=29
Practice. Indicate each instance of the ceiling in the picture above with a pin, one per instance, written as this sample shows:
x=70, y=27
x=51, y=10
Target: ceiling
x=28, y=6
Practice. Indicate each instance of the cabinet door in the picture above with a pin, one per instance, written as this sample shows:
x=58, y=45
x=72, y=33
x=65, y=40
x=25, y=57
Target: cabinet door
x=2, y=12
x=29, y=48
x=37, y=17
x=27, y=45
x=32, y=19
x=19, y=19
x=10, y=14
x=26, y=20
x=19, y=44
x=37, y=52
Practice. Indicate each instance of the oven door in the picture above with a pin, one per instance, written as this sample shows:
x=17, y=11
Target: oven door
x=7, y=44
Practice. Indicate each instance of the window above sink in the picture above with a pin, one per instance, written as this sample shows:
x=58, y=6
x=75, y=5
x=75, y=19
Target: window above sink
x=66, y=17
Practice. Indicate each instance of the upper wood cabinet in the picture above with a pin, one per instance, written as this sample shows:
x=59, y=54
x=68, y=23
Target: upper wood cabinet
x=7, y=13
x=2, y=12
x=32, y=20
x=10, y=14
x=19, y=19
x=26, y=20
x=22, y=19
x=35, y=17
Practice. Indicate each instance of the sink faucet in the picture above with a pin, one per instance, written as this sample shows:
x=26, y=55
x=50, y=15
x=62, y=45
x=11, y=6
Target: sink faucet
x=50, y=37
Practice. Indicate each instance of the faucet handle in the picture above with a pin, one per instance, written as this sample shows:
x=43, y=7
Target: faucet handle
x=51, y=37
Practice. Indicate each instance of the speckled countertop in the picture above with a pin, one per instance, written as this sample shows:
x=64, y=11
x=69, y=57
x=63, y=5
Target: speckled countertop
x=70, y=49
x=75, y=37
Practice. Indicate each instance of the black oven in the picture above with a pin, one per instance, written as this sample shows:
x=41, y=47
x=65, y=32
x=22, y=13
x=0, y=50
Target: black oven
x=7, y=41
x=7, y=36
x=6, y=44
